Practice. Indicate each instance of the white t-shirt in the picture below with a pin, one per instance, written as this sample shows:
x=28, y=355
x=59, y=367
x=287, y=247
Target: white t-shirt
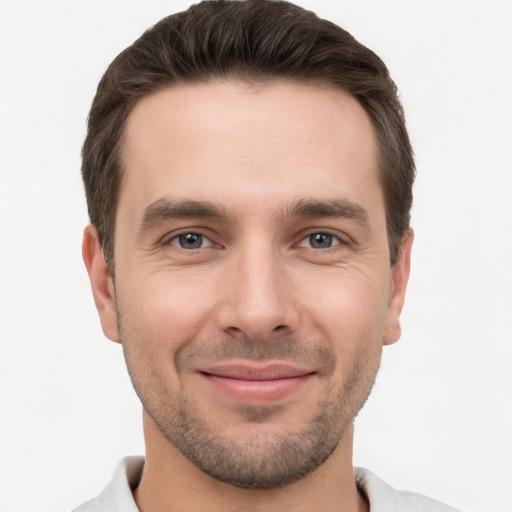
x=117, y=496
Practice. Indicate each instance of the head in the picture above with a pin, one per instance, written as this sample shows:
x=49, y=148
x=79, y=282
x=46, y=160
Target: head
x=248, y=174
x=257, y=41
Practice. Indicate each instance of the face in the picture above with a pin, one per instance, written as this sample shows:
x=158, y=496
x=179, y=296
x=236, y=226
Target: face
x=253, y=287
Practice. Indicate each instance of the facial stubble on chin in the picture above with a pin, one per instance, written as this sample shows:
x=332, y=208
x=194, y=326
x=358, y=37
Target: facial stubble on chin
x=265, y=459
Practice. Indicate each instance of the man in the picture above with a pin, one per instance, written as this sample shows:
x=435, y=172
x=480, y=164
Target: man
x=248, y=176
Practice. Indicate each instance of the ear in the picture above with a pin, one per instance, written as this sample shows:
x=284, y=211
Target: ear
x=399, y=278
x=101, y=283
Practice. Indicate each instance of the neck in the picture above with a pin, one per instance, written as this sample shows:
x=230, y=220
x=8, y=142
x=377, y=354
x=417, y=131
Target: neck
x=171, y=482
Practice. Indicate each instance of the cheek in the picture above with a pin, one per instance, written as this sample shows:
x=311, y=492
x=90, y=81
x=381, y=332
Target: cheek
x=164, y=312
x=350, y=310
x=157, y=319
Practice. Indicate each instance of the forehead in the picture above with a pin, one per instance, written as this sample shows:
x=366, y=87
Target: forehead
x=206, y=140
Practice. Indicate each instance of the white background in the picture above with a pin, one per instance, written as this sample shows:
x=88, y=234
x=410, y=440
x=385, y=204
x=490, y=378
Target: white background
x=440, y=418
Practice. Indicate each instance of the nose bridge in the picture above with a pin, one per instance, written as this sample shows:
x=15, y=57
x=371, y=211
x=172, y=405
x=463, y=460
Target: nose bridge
x=257, y=294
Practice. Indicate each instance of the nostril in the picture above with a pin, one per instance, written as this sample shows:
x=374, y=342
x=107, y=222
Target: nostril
x=279, y=328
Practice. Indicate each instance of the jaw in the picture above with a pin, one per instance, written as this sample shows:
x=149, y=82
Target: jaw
x=321, y=489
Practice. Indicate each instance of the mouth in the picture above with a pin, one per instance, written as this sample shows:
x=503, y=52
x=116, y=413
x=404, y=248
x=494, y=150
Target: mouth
x=257, y=385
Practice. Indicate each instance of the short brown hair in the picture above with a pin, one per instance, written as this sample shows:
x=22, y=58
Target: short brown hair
x=257, y=41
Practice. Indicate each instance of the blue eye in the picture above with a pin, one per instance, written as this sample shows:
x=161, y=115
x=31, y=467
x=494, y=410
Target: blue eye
x=190, y=241
x=320, y=241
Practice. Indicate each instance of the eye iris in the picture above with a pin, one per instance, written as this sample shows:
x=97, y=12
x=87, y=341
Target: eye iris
x=320, y=240
x=190, y=241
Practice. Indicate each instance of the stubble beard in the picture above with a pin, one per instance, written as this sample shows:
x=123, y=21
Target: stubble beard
x=264, y=459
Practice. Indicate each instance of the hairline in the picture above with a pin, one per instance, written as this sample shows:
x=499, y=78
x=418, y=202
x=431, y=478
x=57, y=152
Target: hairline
x=251, y=79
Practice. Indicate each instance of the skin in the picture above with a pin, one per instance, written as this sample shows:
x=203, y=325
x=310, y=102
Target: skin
x=258, y=290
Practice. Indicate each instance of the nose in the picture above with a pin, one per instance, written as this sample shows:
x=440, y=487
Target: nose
x=258, y=299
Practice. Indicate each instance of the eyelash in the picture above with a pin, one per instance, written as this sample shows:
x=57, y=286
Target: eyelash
x=176, y=238
x=335, y=239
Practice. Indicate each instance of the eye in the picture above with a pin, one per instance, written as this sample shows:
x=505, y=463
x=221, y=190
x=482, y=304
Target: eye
x=190, y=241
x=320, y=241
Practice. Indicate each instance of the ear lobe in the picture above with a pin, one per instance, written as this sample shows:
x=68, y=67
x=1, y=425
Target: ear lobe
x=101, y=283
x=399, y=279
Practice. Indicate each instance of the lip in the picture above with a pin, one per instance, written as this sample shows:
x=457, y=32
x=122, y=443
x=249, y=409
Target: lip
x=256, y=384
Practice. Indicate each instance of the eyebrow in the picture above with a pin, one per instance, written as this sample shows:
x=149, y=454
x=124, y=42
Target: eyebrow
x=333, y=208
x=165, y=209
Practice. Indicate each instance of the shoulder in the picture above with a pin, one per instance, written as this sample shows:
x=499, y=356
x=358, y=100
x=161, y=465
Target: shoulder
x=117, y=496
x=384, y=498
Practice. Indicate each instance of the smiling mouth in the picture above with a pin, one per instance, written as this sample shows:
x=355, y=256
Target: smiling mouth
x=257, y=385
